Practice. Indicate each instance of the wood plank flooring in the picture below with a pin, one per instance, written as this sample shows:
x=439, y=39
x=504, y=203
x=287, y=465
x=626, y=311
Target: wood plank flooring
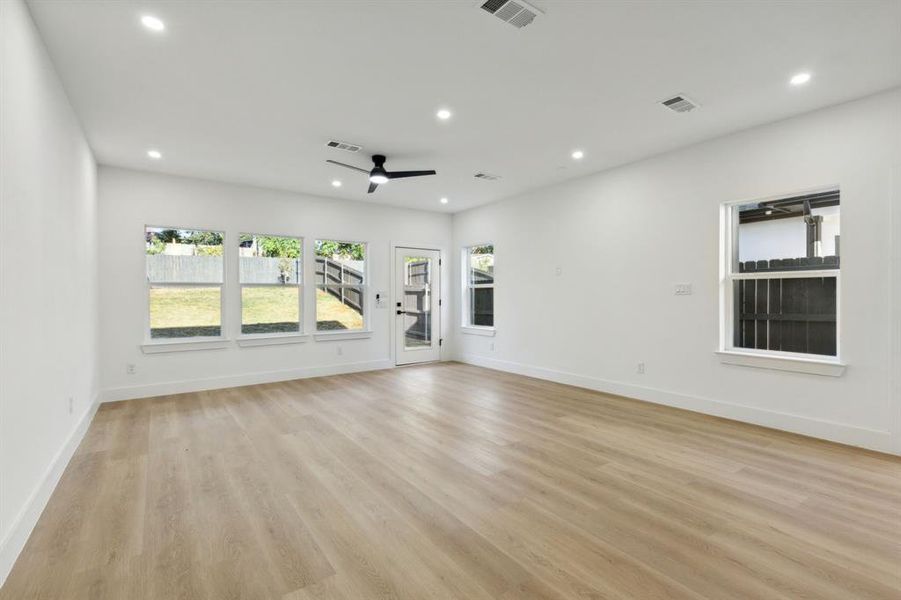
x=451, y=481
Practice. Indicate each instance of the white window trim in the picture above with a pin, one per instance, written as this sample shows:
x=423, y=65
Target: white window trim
x=813, y=364
x=285, y=337
x=478, y=330
x=271, y=339
x=153, y=345
x=346, y=334
x=349, y=334
x=466, y=325
x=727, y=352
x=184, y=345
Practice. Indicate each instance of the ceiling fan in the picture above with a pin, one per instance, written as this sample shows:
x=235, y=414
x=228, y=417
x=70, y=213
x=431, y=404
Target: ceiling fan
x=378, y=175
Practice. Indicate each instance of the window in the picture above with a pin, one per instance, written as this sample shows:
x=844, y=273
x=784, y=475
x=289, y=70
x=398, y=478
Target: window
x=270, y=272
x=340, y=285
x=781, y=286
x=479, y=286
x=184, y=282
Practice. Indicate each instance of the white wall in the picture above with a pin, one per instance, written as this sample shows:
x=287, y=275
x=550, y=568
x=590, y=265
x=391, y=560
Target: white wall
x=895, y=334
x=625, y=236
x=129, y=200
x=48, y=295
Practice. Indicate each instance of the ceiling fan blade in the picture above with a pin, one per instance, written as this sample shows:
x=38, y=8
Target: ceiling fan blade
x=372, y=187
x=341, y=164
x=402, y=174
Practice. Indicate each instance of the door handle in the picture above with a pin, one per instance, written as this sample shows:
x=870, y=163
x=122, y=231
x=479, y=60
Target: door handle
x=401, y=312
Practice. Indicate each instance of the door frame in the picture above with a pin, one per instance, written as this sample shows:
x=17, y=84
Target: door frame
x=443, y=304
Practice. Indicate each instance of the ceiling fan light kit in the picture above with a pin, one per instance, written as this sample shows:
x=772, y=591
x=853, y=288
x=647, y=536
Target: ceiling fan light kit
x=379, y=175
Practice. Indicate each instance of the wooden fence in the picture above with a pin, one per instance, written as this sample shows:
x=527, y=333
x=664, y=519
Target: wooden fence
x=482, y=300
x=418, y=317
x=169, y=268
x=790, y=264
x=791, y=315
x=418, y=272
x=335, y=276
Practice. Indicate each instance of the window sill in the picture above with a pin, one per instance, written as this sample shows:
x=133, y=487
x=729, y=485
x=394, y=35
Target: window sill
x=814, y=366
x=486, y=331
x=342, y=335
x=187, y=345
x=277, y=339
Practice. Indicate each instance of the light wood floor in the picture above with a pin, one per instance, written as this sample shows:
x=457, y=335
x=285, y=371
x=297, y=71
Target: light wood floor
x=450, y=481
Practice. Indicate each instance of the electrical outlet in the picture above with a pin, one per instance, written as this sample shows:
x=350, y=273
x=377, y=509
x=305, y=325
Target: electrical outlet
x=71, y=405
x=558, y=271
x=640, y=368
x=683, y=289
x=130, y=369
x=340, y=351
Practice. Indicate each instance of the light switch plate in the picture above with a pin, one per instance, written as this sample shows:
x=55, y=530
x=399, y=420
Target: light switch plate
x=683, y=289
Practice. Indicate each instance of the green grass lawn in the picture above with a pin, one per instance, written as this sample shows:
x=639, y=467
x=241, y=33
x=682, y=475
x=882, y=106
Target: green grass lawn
x=332, y=314
x=184, y=312
x=270, y=310
x=187, y=312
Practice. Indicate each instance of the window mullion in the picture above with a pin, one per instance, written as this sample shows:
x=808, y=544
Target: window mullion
x=783, y=274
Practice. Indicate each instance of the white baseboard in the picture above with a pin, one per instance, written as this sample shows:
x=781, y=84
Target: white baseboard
x=214, y=383
x=24, y=523
x=872, y=439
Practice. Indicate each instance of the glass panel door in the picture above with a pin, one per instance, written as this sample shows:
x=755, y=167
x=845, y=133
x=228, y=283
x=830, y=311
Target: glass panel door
x=416, y=302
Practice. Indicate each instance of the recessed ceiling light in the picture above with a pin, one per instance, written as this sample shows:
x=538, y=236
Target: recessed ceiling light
x=153, y=23
x=444, y=201
x=443, y=114
x=336, y=183
x=800, y=79
x=578, y=154
x=155, y=154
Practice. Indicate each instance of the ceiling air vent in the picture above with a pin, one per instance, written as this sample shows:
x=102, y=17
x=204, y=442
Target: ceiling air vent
x=344, y=146
x=487, y=176
x=515, y=12
x=680, y=104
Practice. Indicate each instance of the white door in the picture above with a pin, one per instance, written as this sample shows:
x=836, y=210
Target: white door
x=416, y=305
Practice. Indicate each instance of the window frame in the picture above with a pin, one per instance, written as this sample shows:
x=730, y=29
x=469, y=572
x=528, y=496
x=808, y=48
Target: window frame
x=301, y=290
x=200, y=342
x=365, y=330
x=466, y=324
x=761, y=357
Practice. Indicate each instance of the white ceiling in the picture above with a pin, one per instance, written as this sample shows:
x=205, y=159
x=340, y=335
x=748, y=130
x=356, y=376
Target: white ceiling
x=251, y=91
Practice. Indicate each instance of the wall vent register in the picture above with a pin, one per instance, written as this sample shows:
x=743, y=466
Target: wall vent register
x=679, y=104
x=346, y=146
x=516, y=13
